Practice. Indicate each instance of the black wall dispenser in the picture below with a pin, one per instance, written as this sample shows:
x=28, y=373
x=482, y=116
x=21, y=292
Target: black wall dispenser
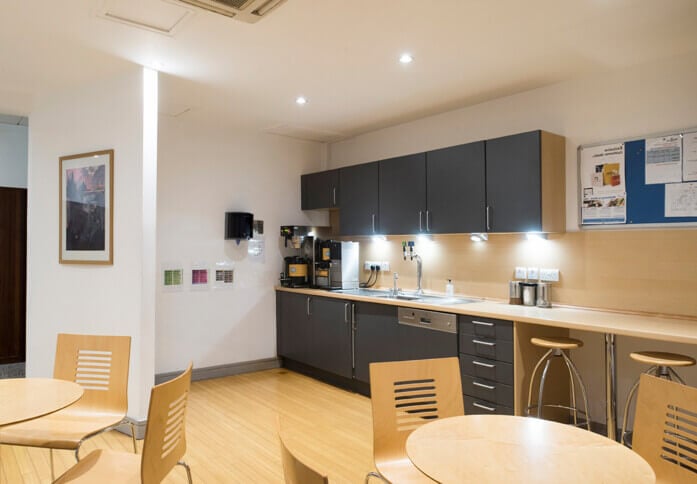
x=238, y=226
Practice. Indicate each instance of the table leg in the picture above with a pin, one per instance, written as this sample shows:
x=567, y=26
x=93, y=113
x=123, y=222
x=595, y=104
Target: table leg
x=610, y=386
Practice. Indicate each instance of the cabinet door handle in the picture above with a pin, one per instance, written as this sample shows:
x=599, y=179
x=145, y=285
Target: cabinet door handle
x=482, y=323
x=353, y=336
x=428, y=226
x=482, y=385
x=373, y=223
x=483, y=407
x=488, y=219
x=485, y=365
x=309, y=313
x=334, y=195
x=420, y=221
x=485, y=343
x=346, y=318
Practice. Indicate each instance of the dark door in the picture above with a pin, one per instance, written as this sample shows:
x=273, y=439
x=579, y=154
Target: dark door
x=376, y=337
x=293, y=326
x=455, y=181
x=403, y=195
x=13, y=258
x=331, y=341
x=513, y=183
x=359, y=199
x=320, y=190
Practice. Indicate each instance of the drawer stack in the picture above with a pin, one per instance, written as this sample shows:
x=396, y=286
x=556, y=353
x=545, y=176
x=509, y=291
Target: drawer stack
x=486, y=365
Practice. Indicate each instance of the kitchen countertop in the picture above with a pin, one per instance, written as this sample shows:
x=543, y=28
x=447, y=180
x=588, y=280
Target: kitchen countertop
x=657, y=327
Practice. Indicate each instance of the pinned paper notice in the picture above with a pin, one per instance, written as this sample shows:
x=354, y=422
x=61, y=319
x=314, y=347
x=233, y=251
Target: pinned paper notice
x=664, y=159
x=681, y=200
x=689, y=167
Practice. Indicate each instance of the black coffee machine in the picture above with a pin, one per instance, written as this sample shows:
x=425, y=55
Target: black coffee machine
x=296, y=272
x=297, y=269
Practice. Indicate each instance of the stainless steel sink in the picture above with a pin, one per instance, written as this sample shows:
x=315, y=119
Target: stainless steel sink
x=408, y=296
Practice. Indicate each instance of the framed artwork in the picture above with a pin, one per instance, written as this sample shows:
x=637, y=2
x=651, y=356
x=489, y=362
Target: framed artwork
x=86, y=201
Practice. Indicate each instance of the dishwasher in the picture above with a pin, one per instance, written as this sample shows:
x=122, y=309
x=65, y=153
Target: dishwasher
x=426, y=334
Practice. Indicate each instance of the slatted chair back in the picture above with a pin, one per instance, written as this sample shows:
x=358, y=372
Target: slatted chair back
x=408, y=394
x=100, y=365
x=294, y=470
x=165, y=434
x=665, y=429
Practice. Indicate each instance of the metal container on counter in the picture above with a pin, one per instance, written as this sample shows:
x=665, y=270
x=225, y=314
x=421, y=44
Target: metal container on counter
x=529, y=290
x=515, y=295
x=544, y=295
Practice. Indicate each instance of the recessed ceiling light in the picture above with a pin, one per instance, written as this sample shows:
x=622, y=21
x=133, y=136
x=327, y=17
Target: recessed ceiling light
x=406, y=58
x=301, y=100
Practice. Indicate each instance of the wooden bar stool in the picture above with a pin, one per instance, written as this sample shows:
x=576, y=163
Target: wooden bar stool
x=661, y=366
x=556, y=347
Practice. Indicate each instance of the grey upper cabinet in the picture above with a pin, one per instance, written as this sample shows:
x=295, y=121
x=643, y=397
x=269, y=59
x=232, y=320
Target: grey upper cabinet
x=359, y=199
x=525, y=183
x=403, y=194
x=320, y=190
x=455, y=188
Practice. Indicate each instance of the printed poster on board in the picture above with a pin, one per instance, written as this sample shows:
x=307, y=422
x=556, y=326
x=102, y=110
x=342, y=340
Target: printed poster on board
x=603, y=185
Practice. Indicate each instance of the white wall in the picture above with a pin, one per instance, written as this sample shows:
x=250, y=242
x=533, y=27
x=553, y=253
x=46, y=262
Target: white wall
x=89, y=298
x=13, y=156
x=204, y=170
x=634, y=102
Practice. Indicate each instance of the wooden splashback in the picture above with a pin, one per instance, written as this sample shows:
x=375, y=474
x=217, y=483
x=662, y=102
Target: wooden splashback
x=636, y=270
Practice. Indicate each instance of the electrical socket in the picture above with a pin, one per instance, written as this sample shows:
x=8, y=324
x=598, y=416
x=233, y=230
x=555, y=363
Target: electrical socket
x=521, y=273
x=533, y=273
x=550, y=275
x=384, y=265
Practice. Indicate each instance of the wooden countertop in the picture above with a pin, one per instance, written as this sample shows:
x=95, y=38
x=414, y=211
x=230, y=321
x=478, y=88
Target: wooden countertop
x=657, y=327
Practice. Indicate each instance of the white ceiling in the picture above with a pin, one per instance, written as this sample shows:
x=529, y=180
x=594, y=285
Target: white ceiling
x=340, y=54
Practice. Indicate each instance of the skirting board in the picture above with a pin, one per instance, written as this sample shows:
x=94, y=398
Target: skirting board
x=220, y=371
x=197, y=374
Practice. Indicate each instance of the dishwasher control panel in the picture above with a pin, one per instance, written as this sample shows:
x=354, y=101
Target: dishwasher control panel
x=434, y=320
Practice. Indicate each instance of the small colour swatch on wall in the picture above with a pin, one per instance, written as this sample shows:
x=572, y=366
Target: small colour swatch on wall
x=224, y=275
x=199, y=276
x=173, y=277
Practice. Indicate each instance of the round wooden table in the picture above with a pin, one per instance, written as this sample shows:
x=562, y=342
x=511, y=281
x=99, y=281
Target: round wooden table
x=27, y=398
x=501, y=448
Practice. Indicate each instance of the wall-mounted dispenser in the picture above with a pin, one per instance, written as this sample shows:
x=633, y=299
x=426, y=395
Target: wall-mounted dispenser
x=238, y=226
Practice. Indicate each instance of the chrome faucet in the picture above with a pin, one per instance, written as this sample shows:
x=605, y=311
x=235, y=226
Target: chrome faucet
x=395, y=290
x=418, y=274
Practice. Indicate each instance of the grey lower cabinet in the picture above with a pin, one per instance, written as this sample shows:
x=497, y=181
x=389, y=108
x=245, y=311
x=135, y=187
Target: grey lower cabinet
x=342, y=337
x=486, y=365
x=315, y=331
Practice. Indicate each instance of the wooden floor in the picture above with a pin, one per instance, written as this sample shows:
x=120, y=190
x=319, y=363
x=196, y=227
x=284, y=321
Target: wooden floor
x=231, y=433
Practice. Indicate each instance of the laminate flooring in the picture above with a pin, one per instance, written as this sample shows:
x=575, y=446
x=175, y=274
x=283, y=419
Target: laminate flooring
x=232, y=433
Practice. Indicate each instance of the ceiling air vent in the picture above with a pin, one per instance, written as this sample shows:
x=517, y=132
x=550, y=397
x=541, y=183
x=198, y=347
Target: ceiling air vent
x=249, y=11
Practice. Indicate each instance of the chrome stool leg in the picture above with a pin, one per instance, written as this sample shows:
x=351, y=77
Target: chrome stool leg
x=532, y=380
x=583, y=389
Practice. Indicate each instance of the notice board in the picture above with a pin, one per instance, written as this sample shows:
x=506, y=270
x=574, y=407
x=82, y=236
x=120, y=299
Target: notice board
x=642, y=181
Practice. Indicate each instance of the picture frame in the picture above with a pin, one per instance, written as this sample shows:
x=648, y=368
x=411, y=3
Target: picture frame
x=86, y=213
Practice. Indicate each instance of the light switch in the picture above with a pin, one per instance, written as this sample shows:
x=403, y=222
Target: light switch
x=533, y=273
x=521, y=273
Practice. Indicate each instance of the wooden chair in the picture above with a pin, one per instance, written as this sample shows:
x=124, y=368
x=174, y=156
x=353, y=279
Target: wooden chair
x=164, y=446
x=295, y=471
x=665, y=429
x=100, y=365
x=404, y=396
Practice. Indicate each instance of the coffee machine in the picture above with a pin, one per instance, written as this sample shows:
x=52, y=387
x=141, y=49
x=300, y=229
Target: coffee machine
x=298, y=267
x=336, y=264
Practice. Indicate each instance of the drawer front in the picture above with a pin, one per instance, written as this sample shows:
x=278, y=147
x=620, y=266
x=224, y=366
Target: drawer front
x=488, y=390
x=487, y=327
x=486, y=347
x=475, y=406
x=478, y=367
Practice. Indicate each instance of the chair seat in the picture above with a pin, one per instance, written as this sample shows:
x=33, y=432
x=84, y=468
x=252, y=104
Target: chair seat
x=662, y=359
x=59, y=430
x=557, y=342
x=100, y=466
x=402, y=470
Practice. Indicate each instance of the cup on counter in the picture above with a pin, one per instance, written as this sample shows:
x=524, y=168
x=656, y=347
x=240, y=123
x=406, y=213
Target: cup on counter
x=544, y=296
x=514, y=293
x=529, y=290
